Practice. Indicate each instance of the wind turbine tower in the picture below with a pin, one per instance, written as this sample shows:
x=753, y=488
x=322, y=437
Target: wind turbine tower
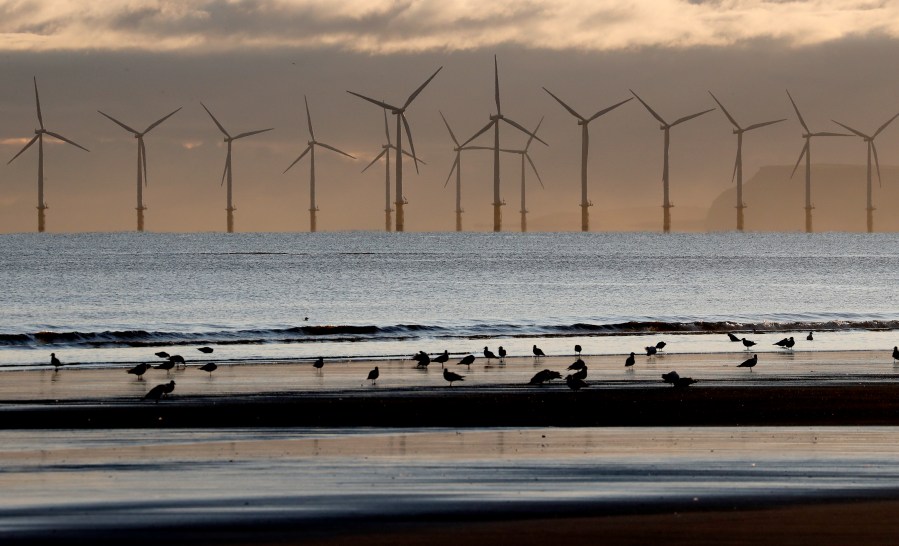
x=401, y=123
x=39, y=137
x=738, y=163
x=666, y=127
x=141, y=161
x=226, y=174
x=872, y=149
x=807, y=152
x=585, y=149
x=495, y=123
x=457, y=167
x=310, y=149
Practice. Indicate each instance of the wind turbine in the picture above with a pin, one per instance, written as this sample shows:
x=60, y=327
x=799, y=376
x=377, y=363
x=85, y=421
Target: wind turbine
x=385, y=153
x=141, y=161
x=494, y=122
x=39, y=137
x=738, y=163
x=227, y=172
x=585, y=148
x=666, y=127
x=401, y=123
x=457, y=167
x=807, y=152
x=869, y=139
x=310, y=149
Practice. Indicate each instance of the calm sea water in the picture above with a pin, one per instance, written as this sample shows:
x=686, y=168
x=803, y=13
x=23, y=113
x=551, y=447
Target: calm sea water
x=100, y=298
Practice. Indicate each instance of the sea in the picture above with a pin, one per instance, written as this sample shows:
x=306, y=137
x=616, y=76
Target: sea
x=102, y=299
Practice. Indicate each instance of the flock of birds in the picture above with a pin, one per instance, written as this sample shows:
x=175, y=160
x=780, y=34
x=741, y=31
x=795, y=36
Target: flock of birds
x=576, y=380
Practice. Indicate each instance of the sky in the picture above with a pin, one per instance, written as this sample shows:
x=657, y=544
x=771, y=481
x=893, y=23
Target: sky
x=252, y=62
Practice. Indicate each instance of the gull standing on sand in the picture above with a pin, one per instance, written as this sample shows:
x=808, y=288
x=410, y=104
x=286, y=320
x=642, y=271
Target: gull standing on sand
x=670, y=377
x=423, y=360
x=747, y=343
x=660, y=345
x=160, y=391
x=178, y=359
x=732, y=337
x=786, y=343
x=488, y=354
x=810, y=337
x=441, y=359
x=750, y=363
x=166, y=365
x=373, y=375
x=580, y=374
x=538, y=352
x=209, y=367
x=578, y=365
x=683, y=382
x=651, y=351
x=577, y=349
x=55, y=361
x=467, y=360
x=574, y=383
x=543, y=376
x=319, y=363
x=450, y=376
x=140, y=370
x=630, y=361
x=895, y=353
x=502, y=353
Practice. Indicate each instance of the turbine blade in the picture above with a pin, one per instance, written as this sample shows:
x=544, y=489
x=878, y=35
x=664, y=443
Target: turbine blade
x=877, y=164
x=763, y=124
x=733, y=177
x=157, y=122
x=534, y=135
x=373, y=161
x=452, y=169
x=452, y=135
x=30, y=142
x=117, y=122
x=848, y=128
x=333, y=149
x=884, y=126
x=37, y=101
x=829, y=134
x=411, y=143
x=417, y=159
x=798, y=161
x=605, y=111
x=565, y=106
x=726, y=113
x=798, y=115
x=534, y=167
x=217, y=124
x=481, y=132
x=309, y=118
x=496, y=84
x=64, y=139
x=227, y=164
x=379, y=103
x=691, y=116
x=297, y=160
x=520, y=128
x=477, y=148
x=143, y=160
x=420, y=89
x=386, y=127
x=251, y=133
x=651, y=111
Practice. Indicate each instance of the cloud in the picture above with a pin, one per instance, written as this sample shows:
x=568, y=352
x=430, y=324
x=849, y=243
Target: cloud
x=409, y=26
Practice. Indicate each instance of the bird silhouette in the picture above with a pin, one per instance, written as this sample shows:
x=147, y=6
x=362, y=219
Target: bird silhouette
x=140, y=370
x=630, y=361
x=162, y=354
x=421, y=355
x=209, y=367
x=670, y=377
x=577, y=349
x=467, y=360
x=205, y=350
x=660, y=345
x=55, y=361
x=543, y=376
x=166, y=365
x=488, y=354
x=810, y=337
x=732, y=337
x=450, y=376
x=580, y=374
x=177, y=359
x=651, y=351
x=373, y=375
x=683, y=382
x=786, y=343
x=502, y=353
x=160, y=391
x=750, y=363
x=747, y=343
x=442, y=359
x=423, y=361
x=578, y=365
x=319, y=363
x=574, y=383
x=538, y=352
x=895, y=353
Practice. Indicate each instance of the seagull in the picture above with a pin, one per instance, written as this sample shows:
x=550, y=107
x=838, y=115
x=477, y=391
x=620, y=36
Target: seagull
x=450, y=376
x=747, y=343
x=732, y=337
x=660, y=345
x=538, y=352
x=373, y=375
x=895, y=353
x=160, y=391
x=577, y=349
x=629, y=361
x=670, y=377
x=810, y=337
x=140, y=370
x=543, y=376
x=502, y=354
x=580, y=374
x=578, y=365
x=441, y=359
x=162, y=354
x=467, y=360
x=319, y=363
x=750, y=363
x=651, y=351
x=55, y=361
x=421, y=355
x=785, y=343
x=177, y=359
x=574, y=383
x=165, y=365
x=791, y=343
x=488, y=354
x=683, y=382
x=205, y=350
x=423, y=361
x=209, y=367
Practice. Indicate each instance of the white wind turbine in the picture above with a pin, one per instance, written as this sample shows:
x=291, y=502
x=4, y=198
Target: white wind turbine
x=39, y=137
x=227, y=172
x=141, y=161
x=494, y=122
x=457, y=167
x=738, y=163
x=666, y=127
x=310, y=149
x=385, y=153
x=401, y=123
x=807, y=152
x=869, y=140
x=585, y=149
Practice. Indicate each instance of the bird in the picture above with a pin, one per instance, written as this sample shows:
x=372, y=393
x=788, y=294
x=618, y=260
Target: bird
x=660, y=345
x=177, y=359
x=502, y=353
x=750, y=363
x=683, y=382
x=543, y=376
x=373, y=375
x=791, y=343
x=205, y=350
x=450, y=376
x=747, y=343
x=895, y=353
x=578, y=365
x=810, y=337
x=319, y=363
x=488, y=354
x=165, y=365
x=670, y=377
x=55, y=361
x=140, y=370
x=442, y=359
x=538, y=352
x=423, y=360
x=580, y=374
x=577, y=349
x=209, y=367
x=732, y=337
x=786, y=343
x=574, y=383
x=419, y=356
x=160, y=391
x=651, y=351
x=630, y=361
x=162, y=354
x=467, y=360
